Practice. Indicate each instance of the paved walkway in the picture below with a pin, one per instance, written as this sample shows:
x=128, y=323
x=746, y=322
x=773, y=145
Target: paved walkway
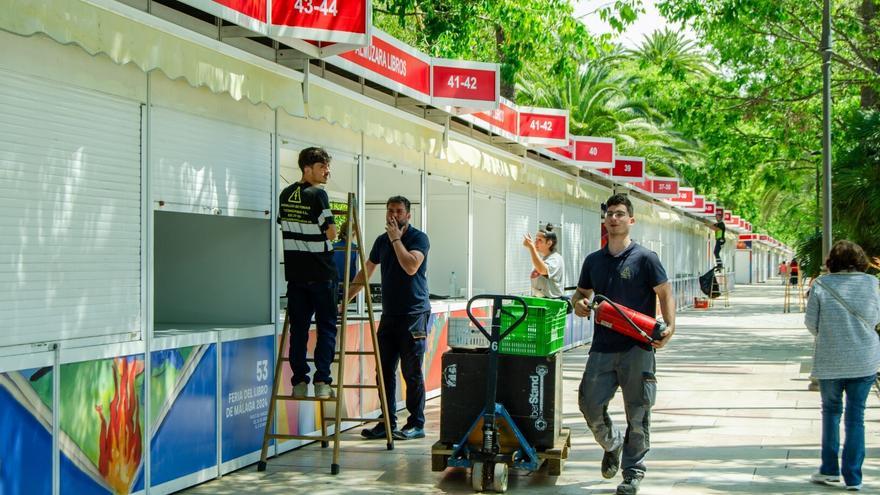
x=733, y=415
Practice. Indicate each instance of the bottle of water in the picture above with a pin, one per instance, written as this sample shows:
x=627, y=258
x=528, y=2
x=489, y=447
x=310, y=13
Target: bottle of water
x=453, y=286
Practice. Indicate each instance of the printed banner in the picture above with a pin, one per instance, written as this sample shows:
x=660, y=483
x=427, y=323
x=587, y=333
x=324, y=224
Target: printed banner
x=247, y=368
x=503, y=121
x=26, y=431
x=184, y=412
x=391, y=63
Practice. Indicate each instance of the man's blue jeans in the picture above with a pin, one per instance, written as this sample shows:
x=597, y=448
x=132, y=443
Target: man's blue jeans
x=832, y=391
x=305, y=299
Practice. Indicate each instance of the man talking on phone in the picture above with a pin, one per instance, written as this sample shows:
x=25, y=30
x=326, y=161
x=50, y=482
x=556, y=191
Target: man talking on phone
x=402, y=251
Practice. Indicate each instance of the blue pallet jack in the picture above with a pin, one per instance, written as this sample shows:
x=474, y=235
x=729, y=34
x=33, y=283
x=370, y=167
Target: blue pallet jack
x=489, y=467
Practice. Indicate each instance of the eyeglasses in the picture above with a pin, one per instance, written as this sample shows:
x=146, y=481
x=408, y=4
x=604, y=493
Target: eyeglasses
x=618, y=214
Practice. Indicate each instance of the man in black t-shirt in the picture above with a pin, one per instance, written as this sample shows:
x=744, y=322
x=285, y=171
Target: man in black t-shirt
x=307, y=229
x=720, y=231
x=632, y=276
x=402, y=252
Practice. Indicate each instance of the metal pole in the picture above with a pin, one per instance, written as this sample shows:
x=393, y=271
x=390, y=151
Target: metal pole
x=826, y=128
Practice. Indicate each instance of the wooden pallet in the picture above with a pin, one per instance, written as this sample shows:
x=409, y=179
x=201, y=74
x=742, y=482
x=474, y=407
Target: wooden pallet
x=554, y=457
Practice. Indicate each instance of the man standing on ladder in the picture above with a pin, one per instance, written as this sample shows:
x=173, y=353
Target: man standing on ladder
x=308, y=229
x=720, y=231
x=406, y=312
x=630, y=275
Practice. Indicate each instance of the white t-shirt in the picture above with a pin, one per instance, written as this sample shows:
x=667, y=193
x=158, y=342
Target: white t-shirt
x=550, y=285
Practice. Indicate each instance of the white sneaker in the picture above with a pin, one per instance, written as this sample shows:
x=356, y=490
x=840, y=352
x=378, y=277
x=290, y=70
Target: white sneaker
x=824, y=479
x=854, y=488
x=324, y=390
x=300, y=390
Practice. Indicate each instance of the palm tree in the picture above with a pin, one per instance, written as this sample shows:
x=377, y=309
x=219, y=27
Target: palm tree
x=672, y=54
x=599, y=105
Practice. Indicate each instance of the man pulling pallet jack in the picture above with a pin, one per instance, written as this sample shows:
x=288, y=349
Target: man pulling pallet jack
x=625, y=273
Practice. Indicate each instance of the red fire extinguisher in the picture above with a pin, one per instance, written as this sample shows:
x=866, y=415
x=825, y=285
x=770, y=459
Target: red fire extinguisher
x=626, y=321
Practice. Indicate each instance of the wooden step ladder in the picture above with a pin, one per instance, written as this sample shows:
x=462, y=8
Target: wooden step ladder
x=798, y=288
x=353, y=233
x=723, y=287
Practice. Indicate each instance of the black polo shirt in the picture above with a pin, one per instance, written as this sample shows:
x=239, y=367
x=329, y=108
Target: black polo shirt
x=402, y=294
x=628, y=279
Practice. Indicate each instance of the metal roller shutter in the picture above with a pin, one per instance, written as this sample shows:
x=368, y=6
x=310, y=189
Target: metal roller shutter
x=70, y=212
x=207, y=166
x=521, y=219
x=573, y=250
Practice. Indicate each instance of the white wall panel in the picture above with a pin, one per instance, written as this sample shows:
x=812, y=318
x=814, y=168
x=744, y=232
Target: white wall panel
x=70, y=216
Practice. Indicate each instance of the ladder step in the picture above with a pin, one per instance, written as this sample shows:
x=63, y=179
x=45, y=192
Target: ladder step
x=280, y=436
x=362, y=420
x=359, y=385
x=307, y=399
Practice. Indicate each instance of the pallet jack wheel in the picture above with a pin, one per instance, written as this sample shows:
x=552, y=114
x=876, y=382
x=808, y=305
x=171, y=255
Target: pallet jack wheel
x=334, y=468
x=477, y=477
x=499, y=478
x=261, y=466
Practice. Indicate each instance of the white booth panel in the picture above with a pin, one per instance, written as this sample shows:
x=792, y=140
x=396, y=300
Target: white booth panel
x=489, y=234
x=202, y=165
x=70, y=212
x=572, y=245
x=522, y=219
x=448, y=232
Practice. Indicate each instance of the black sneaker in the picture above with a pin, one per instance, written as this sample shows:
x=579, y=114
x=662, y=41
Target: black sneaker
x=630, y=485
x=376, y=432
x=611, y=463
x=409, y=433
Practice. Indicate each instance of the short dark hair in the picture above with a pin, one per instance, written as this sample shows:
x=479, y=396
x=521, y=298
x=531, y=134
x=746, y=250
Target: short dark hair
x=311, y=156
x=398, y=199
x=620, y=199
x=550, y=236
x=846, y=255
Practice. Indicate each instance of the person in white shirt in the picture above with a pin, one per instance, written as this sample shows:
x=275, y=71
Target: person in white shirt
x=547, y=262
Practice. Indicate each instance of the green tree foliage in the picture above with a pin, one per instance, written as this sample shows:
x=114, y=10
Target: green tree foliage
x=768, y=90
x=519, y=34
x=599, y=102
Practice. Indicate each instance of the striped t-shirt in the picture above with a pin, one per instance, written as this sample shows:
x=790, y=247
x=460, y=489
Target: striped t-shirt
x=305, y=216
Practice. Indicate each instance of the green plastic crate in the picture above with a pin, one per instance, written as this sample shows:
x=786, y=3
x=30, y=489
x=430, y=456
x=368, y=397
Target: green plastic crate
x=543, y=331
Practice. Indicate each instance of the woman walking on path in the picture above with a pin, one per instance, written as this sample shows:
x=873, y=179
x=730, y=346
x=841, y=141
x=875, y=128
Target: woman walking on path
x=842, y=313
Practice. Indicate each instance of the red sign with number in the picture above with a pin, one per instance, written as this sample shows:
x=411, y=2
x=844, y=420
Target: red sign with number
x=566, y=152
x=664, y=187
x=710, y=209
x=250, y=14
x=645, y=185
x=593, y=152
x=543, y=126
x=391, y=63
x=629, y=168
x=699, y=203
x=728, y=217
x=341, y=21
x=503, y=120
x=465, y=84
